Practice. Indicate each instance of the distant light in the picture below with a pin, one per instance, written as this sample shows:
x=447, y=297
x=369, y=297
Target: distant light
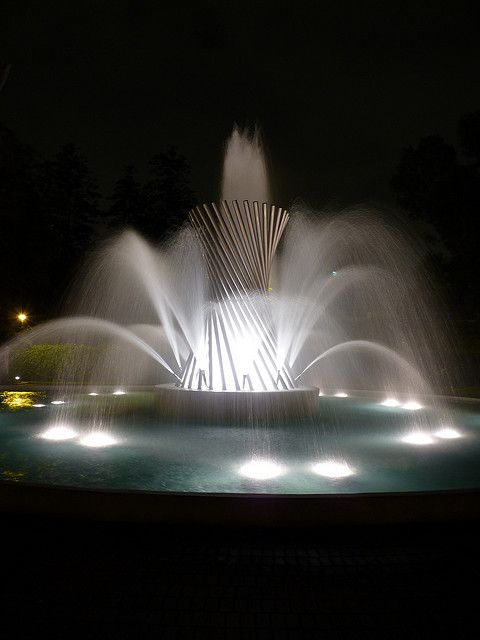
x=119, y=392
x=58, y=433
x=412, y=405
x=390, y=402
x=17, y=377
x=332, y=469
x=341, y=394
x=38, y=405
x=261, y=469
x=418, y=437
x=447, y=433
x=334, y=273
x=58, y=402
x=93, y=394
x=21, y=317
x=98, y=439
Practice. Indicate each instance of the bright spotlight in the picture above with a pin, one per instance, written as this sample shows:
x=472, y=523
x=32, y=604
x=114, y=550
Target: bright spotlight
x=93, y=394
x=412, y=405
x=17, y=377
x=390, y=402
x=447, y=433
x=22, y=317
x=38, y=405
x=119, y=392
x=58, y=402
x=98, y=439
x=418, y=437
x=58, y=433
x=341, y=394
x=332, y=469
x=261, y=469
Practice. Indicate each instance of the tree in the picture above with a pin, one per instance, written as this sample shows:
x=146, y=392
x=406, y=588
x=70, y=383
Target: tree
x=69, y=204
x=167, y=195
x=469, y=136
x=127, y=207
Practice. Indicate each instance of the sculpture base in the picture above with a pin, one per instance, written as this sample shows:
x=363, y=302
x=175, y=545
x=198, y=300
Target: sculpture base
x=236, y=407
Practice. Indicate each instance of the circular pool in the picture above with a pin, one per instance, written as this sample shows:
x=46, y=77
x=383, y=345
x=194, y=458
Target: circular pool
x=362, y=456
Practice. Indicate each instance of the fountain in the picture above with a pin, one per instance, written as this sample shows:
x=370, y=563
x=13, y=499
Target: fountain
x=278, y=347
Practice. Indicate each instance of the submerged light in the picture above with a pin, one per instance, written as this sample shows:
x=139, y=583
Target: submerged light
x=447, y=433
x=119, y=392
x=418, y=437
x=332, y=469
x=93, y=394
x=412, y=405
x=390, y=402
x=98, y=439
x=59, y=432
x=58, y=402
x=260, y=469
x=341, y=394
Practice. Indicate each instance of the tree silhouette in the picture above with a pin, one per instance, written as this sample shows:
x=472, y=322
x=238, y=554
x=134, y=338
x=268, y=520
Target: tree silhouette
x=167, y=194
x=127, y=207
x=469, y=136
x=69, y=201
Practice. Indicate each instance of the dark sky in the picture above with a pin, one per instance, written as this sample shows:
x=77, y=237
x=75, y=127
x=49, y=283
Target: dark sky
x=338, y=89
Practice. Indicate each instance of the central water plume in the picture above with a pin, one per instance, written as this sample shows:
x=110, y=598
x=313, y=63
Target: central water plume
x=245, y=175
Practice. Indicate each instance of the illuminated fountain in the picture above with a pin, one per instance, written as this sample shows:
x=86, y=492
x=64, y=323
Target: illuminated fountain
x=250, y=309
x=258, y=350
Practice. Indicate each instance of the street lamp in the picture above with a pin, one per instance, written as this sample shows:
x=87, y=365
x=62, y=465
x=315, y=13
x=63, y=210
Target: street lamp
x=22, y=317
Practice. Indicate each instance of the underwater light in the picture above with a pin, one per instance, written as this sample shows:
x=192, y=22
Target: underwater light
x=412, y=405
x=98, y=439
x=341, y=394
x=447, y=433
x=320, y=393
x=390, y=402
x=119, y=392
x=93, y=394
x=261, y=469
x=418, y=437
x=332, y=469
x=38, y=405
x=60, y=432
x=58, y=402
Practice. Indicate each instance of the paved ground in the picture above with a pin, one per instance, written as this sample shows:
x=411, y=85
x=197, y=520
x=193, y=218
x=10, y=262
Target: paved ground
x=66, y=579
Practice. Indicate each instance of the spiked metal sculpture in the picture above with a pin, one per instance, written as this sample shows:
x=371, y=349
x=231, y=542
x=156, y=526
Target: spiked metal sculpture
x=239, y=244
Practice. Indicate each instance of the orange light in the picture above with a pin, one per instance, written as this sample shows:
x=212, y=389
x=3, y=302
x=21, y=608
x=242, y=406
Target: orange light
x=22, y=317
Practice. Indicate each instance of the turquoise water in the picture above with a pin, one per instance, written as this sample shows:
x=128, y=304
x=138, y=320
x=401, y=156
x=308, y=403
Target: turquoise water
x=153, y=455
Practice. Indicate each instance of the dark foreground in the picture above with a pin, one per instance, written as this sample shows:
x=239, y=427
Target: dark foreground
x=66, y=578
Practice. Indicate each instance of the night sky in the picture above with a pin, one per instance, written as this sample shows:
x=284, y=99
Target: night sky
x=338, y=89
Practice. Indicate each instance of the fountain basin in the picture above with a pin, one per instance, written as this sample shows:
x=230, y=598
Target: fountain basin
x=231, y=407
x=292, y=473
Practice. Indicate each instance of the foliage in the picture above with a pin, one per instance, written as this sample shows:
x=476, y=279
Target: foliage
x=47, y=362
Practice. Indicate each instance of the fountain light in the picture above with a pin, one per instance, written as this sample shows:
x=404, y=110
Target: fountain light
x=17, y=377
x=261, y=469
x=98, y=439
x=59, y=432
x=332, y=469
x=390, y=402
x=58, y=402
x=93, y=394
x=119, y=392
x=320, y=393
x=412, y=405
x=447, y=433
x=38, y=405
x=418, y=437
x=341, y=394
